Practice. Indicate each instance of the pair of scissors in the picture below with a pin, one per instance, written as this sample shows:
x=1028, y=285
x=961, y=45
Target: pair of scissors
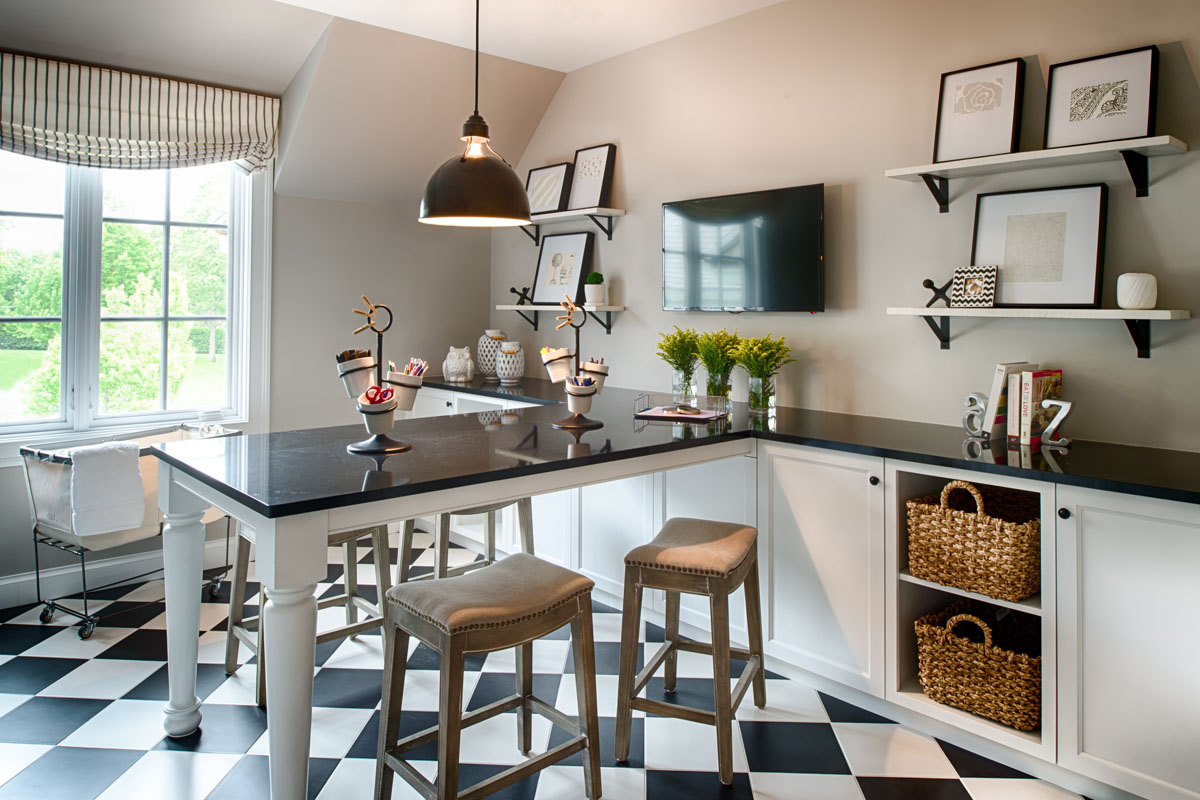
x=377, y=395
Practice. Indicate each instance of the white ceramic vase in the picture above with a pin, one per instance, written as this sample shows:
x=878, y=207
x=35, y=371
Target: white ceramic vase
x=486, y=350
x=510, y=363
x=1137, y=290
x=594, y=293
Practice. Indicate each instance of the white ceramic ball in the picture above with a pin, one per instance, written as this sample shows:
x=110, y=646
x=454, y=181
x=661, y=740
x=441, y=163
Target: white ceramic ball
x=1137, y=290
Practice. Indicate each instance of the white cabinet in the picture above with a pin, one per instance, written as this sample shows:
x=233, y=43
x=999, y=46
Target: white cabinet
x=432, y=403
x=615, y=517
x=1129, y=641
x=821, y=548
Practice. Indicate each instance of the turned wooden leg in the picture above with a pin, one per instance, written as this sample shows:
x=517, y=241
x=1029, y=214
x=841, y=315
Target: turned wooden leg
x=395, y=661
x=350, y=579
x=525, y=690
x=672, y=636
x=237, y=601
x=383, y=565
x=183, y=565
x=404, y=554
x=754, y=631
x=584, y=651
x=631, y=613
x=719, y=603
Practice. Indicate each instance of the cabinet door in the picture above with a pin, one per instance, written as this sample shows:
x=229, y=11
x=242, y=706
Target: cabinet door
x=1129, y=641
x=473, y=404
x=821, y=542
x=615, y=517
x=432, y=403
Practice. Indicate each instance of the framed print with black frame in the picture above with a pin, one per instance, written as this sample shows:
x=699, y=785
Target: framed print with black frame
x=979, y=111
x=548, y=188
x=1047, y=243
x=1102, y=99
x=564, y=261
x=592, y=184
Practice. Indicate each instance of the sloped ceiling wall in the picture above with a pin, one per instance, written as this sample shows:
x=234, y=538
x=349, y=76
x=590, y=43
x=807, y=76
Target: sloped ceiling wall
x=373, y=112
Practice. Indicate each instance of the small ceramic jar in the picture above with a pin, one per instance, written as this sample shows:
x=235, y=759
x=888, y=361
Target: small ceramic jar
x=510, y=363
x=357, y=375
x=1137, y=290
x=378, y=417
x=579, y=398
x=558, y=364
x=405, y=388
x=596, y=371
x=486, y=350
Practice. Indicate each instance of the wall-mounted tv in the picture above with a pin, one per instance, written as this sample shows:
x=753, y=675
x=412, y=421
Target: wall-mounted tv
x=758, y=251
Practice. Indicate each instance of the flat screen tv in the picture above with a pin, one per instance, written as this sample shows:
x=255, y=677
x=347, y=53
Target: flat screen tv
x=758, y=251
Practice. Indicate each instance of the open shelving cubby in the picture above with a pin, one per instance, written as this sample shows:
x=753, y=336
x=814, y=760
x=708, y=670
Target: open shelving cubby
x=910, y=598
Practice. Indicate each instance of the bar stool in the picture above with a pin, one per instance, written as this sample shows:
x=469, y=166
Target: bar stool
x=441, y=569
x=697, y=557
x=248, y=630
x=508, y=604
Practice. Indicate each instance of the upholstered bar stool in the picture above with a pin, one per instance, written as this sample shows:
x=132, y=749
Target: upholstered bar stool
x=697, y=557
x=441, y=539
x=508, y=604
x=248, y=630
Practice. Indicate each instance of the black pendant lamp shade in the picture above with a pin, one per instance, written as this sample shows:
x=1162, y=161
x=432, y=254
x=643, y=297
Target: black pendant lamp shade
x=477, y=189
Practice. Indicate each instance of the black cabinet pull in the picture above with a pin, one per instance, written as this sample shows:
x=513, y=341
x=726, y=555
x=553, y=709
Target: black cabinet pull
x=449, y=403
x=1064, y=513
x=873, y=480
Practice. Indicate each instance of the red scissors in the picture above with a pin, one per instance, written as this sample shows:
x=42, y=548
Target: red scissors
x=376, y=395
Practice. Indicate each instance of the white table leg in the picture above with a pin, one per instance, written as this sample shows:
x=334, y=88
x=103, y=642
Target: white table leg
x=290, y=628
x=183, y=569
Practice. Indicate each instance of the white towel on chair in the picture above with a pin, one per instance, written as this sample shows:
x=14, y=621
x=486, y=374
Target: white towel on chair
x=107, y=494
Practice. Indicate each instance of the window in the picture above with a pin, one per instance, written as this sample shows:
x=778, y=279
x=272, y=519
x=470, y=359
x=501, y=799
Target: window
x=115, y=294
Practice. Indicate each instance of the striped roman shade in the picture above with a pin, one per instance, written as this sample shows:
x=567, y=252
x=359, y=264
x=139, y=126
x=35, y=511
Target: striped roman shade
x=101, y=117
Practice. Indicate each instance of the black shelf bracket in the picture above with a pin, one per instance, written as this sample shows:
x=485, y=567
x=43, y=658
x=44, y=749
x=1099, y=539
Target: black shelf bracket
x=535, y=235
x=942, y=331
x=940, y=189
x=607, y=230
x=1139, y=329
x=602, y=221
x=1139, y=171
x=606, y=322
x=531, y=320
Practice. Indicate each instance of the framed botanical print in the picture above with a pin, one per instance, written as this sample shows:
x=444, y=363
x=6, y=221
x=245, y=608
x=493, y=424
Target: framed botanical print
x=592, y=184
x=1103, y=98
x=979, y=111
x=1048, y=245
x=548, y=188
x=564, y=261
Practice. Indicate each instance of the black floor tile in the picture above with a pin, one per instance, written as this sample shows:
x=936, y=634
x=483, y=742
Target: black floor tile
x=79, y=773
x=493, y=686
x=425, y=657
x=411, y=722
x=793, y=747
x=608, y=658
x=223, y=729
x=208, y=678
x=969, y=765
x=841, y=711
x=16, y=639
x=694, y=692
x=29, y=674
x=14, y=611
x=250, y=779
x=141, y=645
x=47, y=720
x=912, y=789
x=608, y=742
x=670, y=785
x=471, y=774
x=130, y=614
x=347, y=688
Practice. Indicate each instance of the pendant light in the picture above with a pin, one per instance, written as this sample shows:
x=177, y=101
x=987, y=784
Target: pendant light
x=477, y=189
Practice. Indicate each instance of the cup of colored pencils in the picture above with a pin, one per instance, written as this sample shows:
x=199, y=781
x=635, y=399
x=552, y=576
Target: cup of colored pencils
x=406, y=382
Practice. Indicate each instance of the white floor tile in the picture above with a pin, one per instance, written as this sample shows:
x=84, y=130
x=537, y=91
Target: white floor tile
x=607, y=628
x=549, y=657
x=60, y=620
x=690, y=746
x=212, y=649
x=606, y=696
x=149, y=592
x=334, y=730
x=494, y=741
x=4, y=659
x=102, y=678
x=1015, y=789
x=211, y=615
x=67, y=644
x=171, y=774
x=421, y=689
x=354, y=777
x=787, y=701
x=365, y=652
x=891, y=751
x=10, y=701
x=16, y=757
x=456, y=557
x=123, y=724
x=237, y=689
x=566, y=783
x=789, y=786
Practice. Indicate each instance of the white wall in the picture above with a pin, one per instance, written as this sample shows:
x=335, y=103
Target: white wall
x=807, y=92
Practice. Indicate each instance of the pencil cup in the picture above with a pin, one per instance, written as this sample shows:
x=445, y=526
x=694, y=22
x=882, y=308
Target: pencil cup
x=597, y=372
x=405, y=388
x=356, y=375
x=378, y=417
x=558, y=364
x=579, y=398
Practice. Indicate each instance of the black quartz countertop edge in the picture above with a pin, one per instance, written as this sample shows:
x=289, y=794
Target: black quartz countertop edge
x=528, y=390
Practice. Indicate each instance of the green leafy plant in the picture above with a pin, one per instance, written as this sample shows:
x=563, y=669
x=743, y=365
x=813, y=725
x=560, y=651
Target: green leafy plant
x=716, y=351
x=763, y=356
x=594, y=278
x=679, y=350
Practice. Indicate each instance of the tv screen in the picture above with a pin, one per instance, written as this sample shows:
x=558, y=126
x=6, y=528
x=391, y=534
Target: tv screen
x=758, y=251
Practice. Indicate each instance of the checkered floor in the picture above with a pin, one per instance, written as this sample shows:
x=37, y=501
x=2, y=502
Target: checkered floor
x=83, y=719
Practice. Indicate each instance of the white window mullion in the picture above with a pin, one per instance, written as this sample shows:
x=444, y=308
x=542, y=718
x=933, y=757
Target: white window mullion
x=81, y=295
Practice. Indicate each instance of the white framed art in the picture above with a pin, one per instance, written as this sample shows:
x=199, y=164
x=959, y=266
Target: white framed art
x=979, y=111
x=564, y=261
x=1102, y=98
x=548, y=188
x=591, y=186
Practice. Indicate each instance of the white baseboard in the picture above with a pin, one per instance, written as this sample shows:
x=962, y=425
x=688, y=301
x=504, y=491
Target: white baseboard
x=21, y=588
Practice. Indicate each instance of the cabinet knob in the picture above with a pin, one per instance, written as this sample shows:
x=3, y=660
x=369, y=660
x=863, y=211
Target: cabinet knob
x=448, y=404
x=1064, y=513
x=873, y=480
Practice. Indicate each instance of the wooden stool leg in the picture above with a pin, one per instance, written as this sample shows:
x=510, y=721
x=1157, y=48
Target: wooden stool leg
x=631, y=613
x=489, y=538
x=237, y=601
x=449, y=717
x=719, y=604
x=350, y=579
x=260, y=681
x=583, y=649
x=395, y=660
x=525, y=523
x=404, y=554
x=754, y=631
x=672, y=636
x=383, y=564
x=525, y=690
x=441, y=545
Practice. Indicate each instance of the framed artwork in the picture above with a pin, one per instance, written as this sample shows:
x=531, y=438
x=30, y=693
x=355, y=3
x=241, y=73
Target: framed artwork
x=1048, y=245
x=1102, y=99
x=548, y=188
x=592, y=184
x=979, y=111
x=973, y=287
x=564, y=261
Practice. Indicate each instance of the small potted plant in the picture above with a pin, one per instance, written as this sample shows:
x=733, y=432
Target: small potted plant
x=678, y=349
x=762, y=358
x=716, y=350
x=594, y=289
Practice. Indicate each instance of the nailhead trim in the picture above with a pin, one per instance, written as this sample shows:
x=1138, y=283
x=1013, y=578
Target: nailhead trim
x=489, y=625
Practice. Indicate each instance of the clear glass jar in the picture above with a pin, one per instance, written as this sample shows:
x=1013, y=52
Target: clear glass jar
x=683, y=387
x=762, y=396
x=718, y=385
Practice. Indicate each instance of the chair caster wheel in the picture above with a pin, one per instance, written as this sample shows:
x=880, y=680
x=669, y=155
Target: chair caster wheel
x=214, y=590
x=86, y=629
x=46, y=615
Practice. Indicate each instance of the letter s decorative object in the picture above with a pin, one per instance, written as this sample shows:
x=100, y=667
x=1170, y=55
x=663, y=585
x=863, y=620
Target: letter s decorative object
x=973, y=422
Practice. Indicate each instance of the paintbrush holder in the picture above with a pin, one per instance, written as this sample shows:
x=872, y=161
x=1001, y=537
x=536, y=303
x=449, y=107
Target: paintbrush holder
x=558, y=364
x=405, y=388
x=357, y=375
x=596, y=371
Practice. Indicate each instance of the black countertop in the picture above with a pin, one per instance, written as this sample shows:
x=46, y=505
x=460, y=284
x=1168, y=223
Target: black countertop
x=292, y=472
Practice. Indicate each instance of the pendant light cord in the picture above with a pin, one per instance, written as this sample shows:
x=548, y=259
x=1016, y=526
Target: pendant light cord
x=476, y=57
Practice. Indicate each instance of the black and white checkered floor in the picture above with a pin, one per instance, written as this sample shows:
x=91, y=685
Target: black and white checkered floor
x=83, y=719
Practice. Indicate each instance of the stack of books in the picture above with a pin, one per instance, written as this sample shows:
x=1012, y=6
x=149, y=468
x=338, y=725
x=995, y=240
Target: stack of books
x=1015, y=402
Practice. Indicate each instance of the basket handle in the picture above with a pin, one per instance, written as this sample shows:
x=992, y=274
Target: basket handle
x=952, y=485
x=983, y=626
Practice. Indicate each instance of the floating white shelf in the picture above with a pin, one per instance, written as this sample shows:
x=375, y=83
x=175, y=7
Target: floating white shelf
x=585, y=307
x=592, y=310
x=1133, y=152
x=1032, y=605
x=911, y=695
x=595, y=214
x=1137, y=321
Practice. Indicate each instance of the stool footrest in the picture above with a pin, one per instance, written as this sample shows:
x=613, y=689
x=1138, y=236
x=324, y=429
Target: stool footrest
x=753, y=665
x=430, y=734
x=349, y=630
x=524, y=769
x=740, y=653
x=651, y=667
x=672, y=710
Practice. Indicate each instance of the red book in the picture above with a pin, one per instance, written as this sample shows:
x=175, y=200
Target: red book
x=1037, y=386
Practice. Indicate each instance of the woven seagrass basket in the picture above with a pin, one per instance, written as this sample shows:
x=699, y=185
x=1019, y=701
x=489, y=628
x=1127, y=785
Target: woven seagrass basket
x=999, y=679
x=997, y=553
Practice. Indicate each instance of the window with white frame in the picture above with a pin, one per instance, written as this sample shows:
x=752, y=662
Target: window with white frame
x=117, y=300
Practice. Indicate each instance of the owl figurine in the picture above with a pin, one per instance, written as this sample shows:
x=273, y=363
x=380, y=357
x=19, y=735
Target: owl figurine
x=458, y=366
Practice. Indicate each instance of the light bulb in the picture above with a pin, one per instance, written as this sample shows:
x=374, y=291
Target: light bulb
x=475, y=146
